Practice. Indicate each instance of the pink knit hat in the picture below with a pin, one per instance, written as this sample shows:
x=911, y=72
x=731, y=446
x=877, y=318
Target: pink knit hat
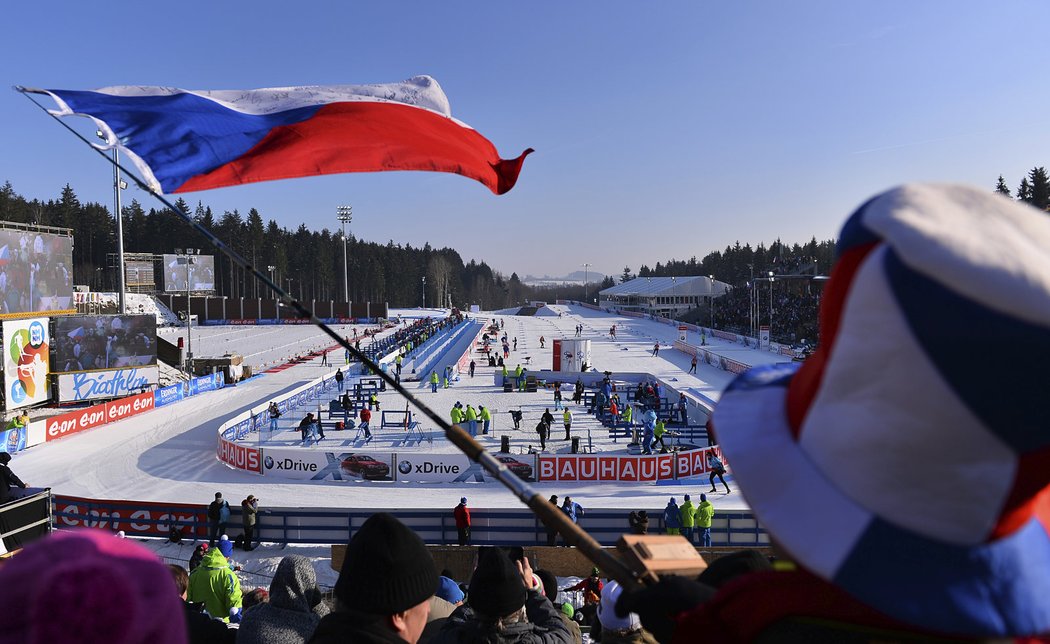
x=86, y=586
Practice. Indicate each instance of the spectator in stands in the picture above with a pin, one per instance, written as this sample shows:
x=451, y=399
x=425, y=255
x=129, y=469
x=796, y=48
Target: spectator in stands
x=705, y=512
x=197, y=556
x=921, y=271
x=573, y=510
x=85, y=586
x=543, y=429
x=254, y=597
x=8, y=479
x=249, y=510
x=384, y=587
x=294, y=610
x=591, y=587
x=274, y=413
x=218, y=516
x=462, y=515
x=673, y=517
x=622, y=630
x=486, y=418
x=565, y=611
x=639, y=522
x=504, y=604
x=688, y=514
x=215, y=585
x=201, y=627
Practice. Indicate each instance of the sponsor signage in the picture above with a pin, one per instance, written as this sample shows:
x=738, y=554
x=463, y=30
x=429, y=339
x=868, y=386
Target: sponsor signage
x=694, y=462
x=588, y=467
x=457, y=468
x=168, y=395
x=306, y=465
x=105, y=384
x=241, y=457
x=13, y=440
x=133, y=517
x=205, y=383
x=26, y=359
x=80, y=420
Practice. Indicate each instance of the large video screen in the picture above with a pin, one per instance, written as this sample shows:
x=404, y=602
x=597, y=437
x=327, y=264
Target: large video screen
x=201, y=273
x=96, y=342
x=36, y=273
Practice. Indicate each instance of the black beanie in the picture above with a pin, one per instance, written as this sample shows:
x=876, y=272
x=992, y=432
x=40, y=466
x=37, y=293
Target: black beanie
x=387, y=568
x=496, y=589
x=550, y=584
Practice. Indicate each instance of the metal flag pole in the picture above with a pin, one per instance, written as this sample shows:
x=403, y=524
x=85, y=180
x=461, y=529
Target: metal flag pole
x=551, y=516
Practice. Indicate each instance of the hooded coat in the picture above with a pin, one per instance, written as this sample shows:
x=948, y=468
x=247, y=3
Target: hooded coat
x=672, y=518
x=544, y=626
x=214, y=584
x=688, y=513
x=294, y=610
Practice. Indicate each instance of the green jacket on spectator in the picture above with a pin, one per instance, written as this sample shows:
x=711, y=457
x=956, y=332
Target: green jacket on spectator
x=457, y=415
x=215, y=585
x=704, y=513
x=688, y=512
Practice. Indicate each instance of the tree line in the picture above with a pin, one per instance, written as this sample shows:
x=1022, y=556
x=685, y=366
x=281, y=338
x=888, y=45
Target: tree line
x=1034, y=188
x=308, y=263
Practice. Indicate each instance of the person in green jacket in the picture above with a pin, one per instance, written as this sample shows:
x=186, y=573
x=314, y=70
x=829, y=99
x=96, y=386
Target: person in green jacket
x=704, y=513
x=216, y=586
x=433, y=382
x=456, y=413
x=519, y=376
x=658, y=434
x=486, y=417
x=688, y=514
x=472, y=420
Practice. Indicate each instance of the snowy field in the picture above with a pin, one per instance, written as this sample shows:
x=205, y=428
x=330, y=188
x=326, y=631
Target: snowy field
x=169, y=453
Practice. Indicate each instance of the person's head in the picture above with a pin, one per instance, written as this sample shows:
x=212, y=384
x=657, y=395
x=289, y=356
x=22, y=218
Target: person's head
x=218, y=496
x=607, y=611
x=703, y=496
x=5, y=458
x=567, y=501
x=686, y=497
x=226, y=547
x=550, y=584
x=84, y=585
x=554, y=498
x=388, y=575
x=496, y=590
x=889, y=401
x=181, y=579
x=672, y=501
x=463, y=500
x=450, y=591
x=595, y=573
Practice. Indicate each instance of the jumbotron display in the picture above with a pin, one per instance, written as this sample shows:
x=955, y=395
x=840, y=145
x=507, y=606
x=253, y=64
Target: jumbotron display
x=36, y=273
x=93, y=342
x=201, y=273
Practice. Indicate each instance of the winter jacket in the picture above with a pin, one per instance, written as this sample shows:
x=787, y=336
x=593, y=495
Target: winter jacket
x=544, y=626
x=672, y=518
x=573, y=510
x=343, y=627
x=688, y=514
x=471, y=414
x=294, y=610
x=457, y=415
x=649, y=419
x=567, y=417
x=219, y=511
x=628, y=415
x=704, y=513
x=366, y=415
x=485, y=414
x=639, y=522
x=462, y=515
x=214, y=584
x=7, y=481
x=660, y=429
x=248, y=512
x=202, y=629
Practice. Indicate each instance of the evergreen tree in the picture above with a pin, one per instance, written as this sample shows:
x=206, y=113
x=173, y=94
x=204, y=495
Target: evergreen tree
x=626, y=277
x=1040, y=182
x=1001, y=187
x=1024, y=191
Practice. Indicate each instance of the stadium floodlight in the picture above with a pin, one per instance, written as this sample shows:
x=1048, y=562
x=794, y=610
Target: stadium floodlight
x=118, y=185
x=345, y=214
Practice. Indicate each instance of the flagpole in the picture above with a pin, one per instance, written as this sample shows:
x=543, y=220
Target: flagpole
x=551, y=516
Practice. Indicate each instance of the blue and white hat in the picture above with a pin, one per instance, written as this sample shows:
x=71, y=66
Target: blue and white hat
x=908, y=460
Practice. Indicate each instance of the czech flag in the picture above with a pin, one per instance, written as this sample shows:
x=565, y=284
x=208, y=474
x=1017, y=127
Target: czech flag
x=185, y=141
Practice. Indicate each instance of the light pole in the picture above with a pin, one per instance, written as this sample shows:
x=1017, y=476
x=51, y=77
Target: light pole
x=771, y=306
x=345, y=216
x=674, y=296
x=712, y=279
x=586, y=274
x=118, y=185
x=424, y=291
x=187, y=257
x=271, y=268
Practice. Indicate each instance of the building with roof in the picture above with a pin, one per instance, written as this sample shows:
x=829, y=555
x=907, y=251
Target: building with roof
x=666, y=296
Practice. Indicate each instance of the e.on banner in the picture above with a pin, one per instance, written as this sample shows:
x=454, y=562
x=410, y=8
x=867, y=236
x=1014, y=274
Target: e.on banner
x=606, y=468
x=133, y=517
x=82, y=419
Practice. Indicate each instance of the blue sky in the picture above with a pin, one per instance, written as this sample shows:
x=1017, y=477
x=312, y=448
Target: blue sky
x=661, y=130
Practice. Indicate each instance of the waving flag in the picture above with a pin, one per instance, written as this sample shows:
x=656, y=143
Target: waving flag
x=185, y=141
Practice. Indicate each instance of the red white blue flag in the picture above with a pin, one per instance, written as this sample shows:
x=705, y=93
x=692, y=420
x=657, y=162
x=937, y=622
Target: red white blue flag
x=185, y=141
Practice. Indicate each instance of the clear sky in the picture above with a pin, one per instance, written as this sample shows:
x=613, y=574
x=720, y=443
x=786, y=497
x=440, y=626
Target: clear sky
x=662, y=129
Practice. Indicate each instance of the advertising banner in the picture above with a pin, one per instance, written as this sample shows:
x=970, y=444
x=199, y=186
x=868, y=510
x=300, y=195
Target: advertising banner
x=694, y=463
x=13, y=440
x=94, y=342
x=308, y=465
x=26, y=359
x=457, y=468
x=168, y=395
x=113, y=383
x=242, y=457
x=36, y=273
x=205, y=383
x=133, y=517
x=82, y=419
x=589, y=467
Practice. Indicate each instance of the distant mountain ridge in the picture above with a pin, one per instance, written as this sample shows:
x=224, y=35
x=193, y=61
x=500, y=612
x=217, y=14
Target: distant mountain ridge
x=575, y=277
